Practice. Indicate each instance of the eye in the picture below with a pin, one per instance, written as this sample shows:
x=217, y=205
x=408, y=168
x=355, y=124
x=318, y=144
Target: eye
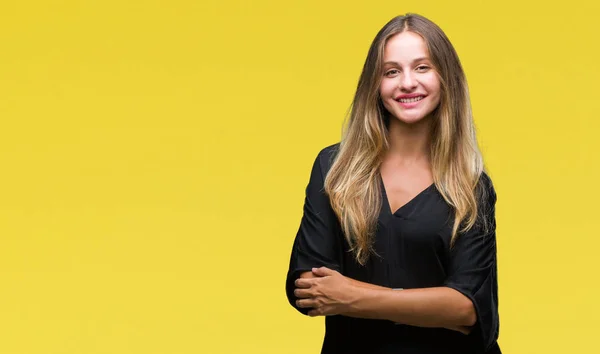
x=423, y=68
x=391, y=72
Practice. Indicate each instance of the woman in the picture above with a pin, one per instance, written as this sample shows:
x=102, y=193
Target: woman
x=397, y=243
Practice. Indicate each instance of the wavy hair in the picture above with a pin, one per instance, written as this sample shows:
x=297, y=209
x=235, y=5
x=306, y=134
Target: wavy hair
x=353, y=182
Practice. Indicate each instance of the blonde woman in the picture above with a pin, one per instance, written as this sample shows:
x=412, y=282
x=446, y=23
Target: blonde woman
x=397, y=245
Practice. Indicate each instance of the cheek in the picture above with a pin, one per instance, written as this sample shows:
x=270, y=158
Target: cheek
x=434, y=86
x=386, y=88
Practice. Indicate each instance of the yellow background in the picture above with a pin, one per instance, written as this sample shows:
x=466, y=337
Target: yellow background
x=154, y=156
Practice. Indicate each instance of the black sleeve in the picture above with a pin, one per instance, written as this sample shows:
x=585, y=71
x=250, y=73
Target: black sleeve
x=473, y=268
x=317, y=241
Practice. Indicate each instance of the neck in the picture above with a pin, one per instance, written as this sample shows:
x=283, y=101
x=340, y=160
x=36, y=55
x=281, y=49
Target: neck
x=409, y=142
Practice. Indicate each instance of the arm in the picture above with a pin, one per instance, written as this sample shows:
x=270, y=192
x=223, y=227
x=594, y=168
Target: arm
x=427, y=307
x=468, y=297
x=357, y=283
x=318, y=241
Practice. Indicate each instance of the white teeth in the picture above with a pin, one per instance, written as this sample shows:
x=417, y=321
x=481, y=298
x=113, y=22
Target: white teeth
x=409, y=100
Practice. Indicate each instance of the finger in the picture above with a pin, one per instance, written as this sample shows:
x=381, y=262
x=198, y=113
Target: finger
x=305, y=303
x=314, y=313
x=322, y=271
x=302, y=293
x=464, y=330
x=461, y=329
x=303, y=283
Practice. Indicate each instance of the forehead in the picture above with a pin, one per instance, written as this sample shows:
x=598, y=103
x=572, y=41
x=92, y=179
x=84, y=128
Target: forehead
x=405, y=47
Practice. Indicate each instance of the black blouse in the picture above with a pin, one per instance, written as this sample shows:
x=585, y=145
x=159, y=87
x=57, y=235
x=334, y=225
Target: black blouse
x=413, y=251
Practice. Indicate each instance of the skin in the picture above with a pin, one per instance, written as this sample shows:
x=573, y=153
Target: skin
x=408, y=70
x=405, y=171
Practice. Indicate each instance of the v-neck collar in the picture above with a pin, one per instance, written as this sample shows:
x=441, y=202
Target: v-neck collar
x=398, y=212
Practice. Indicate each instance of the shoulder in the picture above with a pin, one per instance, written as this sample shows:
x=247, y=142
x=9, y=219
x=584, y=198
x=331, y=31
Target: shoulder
x=327, y=156
x=486, y=194
x=486, y=186
x=329, y=151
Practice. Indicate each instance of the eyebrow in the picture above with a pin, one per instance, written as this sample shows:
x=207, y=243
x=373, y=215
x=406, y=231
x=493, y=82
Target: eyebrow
x=414, y=61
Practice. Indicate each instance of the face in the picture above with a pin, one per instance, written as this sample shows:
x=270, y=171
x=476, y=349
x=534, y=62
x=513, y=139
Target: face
x=410, y=88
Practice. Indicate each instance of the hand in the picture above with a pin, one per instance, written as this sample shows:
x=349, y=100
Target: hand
x=329, y=293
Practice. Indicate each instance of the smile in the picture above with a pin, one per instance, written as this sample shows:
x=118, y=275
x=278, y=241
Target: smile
x=410, y=100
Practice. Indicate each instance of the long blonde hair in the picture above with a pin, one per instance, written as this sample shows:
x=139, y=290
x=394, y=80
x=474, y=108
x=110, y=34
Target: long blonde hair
x=352, y=183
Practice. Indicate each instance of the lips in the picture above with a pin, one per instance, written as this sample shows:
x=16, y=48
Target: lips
x=404, y=99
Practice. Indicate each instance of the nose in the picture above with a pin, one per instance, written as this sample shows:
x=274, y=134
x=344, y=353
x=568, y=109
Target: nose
x=408, y=82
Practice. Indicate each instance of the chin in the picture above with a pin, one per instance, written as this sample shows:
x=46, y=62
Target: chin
x=410, y=119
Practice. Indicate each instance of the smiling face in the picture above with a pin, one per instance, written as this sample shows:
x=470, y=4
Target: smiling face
x=410, y=88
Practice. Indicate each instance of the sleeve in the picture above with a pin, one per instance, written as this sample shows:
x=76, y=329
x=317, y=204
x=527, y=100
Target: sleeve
x=318, y=241
x=473, y=268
